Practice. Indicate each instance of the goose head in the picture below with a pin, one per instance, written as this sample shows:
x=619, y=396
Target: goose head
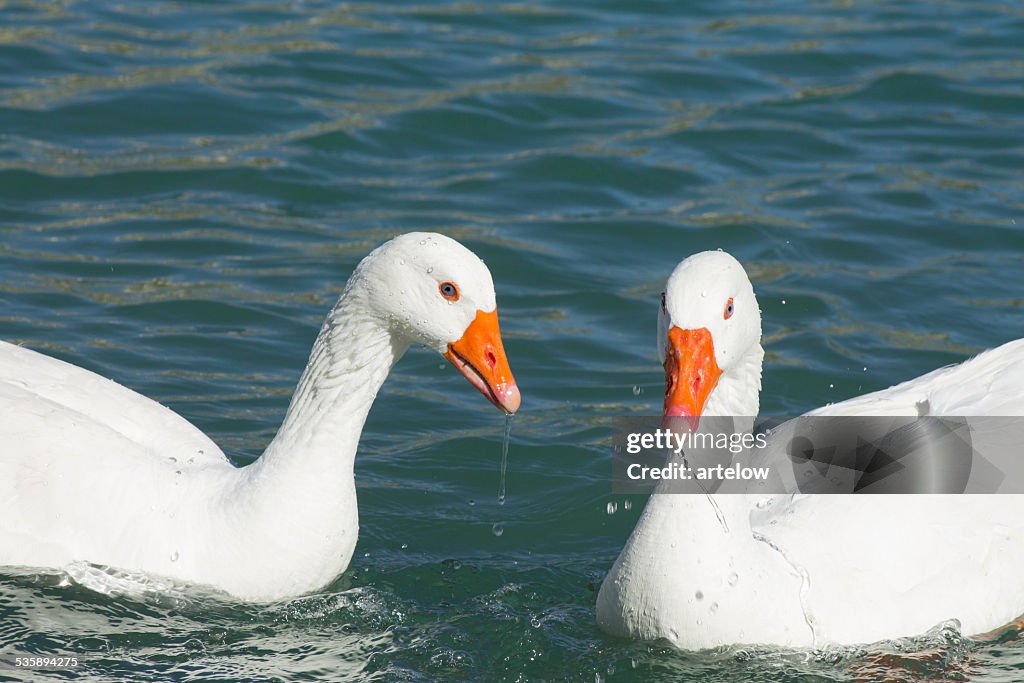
x=429, y=289
x=709, y=333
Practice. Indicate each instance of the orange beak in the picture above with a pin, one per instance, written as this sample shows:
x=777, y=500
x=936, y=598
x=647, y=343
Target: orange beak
x=691, y=372
x=480, y=357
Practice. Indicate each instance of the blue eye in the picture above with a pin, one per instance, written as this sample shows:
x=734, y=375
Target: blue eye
x=729, y=308
x=449, y=291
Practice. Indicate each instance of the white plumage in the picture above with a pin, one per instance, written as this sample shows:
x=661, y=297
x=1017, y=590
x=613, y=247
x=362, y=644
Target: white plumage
x=91, y=471
x=802, y=570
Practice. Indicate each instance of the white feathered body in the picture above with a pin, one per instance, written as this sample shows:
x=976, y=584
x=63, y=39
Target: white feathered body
x=813, y=569
x=91, y=471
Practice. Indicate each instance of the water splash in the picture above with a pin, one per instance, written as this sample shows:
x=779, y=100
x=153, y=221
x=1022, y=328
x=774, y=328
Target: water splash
x=504, y=458
x=805, y=585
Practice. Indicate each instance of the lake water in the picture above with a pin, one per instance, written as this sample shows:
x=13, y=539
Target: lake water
x=185, y=187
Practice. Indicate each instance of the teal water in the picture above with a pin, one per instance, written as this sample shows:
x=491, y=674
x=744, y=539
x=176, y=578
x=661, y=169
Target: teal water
x=185, y=187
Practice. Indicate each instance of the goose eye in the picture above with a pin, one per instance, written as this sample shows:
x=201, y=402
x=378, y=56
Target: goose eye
x=729, y=308
x=449, y=291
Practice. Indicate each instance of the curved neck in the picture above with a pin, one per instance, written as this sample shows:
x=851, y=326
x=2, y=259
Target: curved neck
x=293, y=512
x=350, y=360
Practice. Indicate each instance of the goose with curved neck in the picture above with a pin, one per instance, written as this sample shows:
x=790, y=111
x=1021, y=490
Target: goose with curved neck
x=806, y=570
x=93, y=472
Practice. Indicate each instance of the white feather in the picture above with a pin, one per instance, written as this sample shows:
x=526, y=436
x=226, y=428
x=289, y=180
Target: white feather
x=806, y=570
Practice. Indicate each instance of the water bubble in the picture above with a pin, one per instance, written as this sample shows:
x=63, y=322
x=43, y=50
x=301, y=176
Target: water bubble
x=535, y=622
x=636, y=390
x=733, y=578
x=627, y=504
x=498, y=529
x=611, y=507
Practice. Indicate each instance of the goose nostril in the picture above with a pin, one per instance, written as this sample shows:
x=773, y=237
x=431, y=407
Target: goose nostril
x=491, y=360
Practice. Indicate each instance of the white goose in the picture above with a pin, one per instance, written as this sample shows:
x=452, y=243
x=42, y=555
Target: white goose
x=828, y=568
x=93, y=472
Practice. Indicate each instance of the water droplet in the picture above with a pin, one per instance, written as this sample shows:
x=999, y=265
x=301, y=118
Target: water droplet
x=783, y=302
x=611, y=507
x=175, y=556
x=498, y=529
x=472, y=502
x=201, y=451
x=401, y=261
x=831, y=386
x=699, y=595
x=598, y=678
x=366, y=554
x=423, y=241
x=633, y=663
x=703, y=294
x=405, y=546
x=636, y=390
x=501, y=499
x=733, y=578
x=430, y=269
x=627, y=504
x=763, y=503
x=714, y=607
x=177, y=471
x=865, y=368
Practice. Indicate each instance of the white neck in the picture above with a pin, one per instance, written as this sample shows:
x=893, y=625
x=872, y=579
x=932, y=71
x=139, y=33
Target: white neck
x=298, y=500
x=739, y=388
